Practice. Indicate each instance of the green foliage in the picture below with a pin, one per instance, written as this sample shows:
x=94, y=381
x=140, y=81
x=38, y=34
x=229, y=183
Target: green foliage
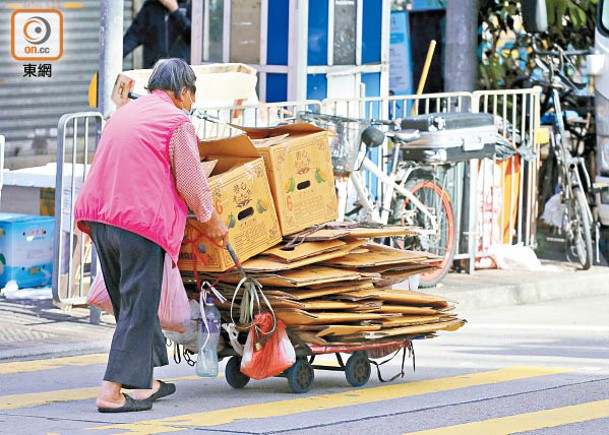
x=504, y=49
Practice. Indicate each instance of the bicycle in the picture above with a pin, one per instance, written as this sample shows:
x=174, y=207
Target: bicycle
x=561, y=169
x=411, y=195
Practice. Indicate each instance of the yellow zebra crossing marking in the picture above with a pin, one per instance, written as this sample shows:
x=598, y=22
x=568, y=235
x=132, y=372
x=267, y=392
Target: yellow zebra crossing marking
x=527, y=422
x=29, y=400
x=329, y=401
x=50, y=364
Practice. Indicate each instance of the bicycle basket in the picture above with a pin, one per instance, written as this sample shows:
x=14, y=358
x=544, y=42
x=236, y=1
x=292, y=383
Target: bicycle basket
x=346, y=148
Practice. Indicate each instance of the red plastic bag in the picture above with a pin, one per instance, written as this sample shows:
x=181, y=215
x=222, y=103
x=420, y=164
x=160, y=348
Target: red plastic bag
x=267, y=353
x=174, y=308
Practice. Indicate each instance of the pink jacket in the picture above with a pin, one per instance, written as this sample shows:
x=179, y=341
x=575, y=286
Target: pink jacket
x=130, y=184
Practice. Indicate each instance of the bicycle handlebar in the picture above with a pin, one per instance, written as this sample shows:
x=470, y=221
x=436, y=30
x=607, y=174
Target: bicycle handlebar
x=545, y=60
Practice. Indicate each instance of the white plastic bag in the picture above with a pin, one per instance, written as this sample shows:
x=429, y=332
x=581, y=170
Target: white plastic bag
x=174, y=311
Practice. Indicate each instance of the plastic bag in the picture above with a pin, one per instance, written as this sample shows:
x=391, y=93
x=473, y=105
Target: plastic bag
x=98, y=295
x=188, y=337
x=174, y=309
x=267, y=352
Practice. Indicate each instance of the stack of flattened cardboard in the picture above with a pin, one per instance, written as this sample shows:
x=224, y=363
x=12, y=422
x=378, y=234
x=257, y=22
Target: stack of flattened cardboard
x=328, y=286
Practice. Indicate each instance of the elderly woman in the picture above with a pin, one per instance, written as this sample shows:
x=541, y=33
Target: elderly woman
x=133, y=204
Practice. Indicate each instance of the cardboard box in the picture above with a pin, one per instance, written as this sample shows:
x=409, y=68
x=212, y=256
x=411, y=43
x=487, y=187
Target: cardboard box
x=32, y=190
x=299, y=167
x=26, y=249
x=242, y=197
x=218, y=85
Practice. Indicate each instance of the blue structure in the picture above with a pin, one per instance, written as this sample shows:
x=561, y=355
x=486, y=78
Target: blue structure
x=313, y=49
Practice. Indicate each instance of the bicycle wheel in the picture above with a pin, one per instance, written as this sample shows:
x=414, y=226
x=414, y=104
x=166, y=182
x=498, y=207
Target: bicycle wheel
x=579, y=230
x=442, y=242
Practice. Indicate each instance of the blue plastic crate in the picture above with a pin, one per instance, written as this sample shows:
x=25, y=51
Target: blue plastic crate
x=26, y=249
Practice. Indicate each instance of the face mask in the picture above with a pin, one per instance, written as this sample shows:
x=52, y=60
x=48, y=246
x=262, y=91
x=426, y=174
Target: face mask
x=188, y=112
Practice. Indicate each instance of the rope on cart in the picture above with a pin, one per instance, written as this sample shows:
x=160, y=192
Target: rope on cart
x=401, y=374
x=250, y=301
x=194, y=241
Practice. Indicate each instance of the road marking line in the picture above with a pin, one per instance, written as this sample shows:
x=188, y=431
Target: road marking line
x=29, y=400
x=527, y=422
x=329, y=401
x=57, y=363
x=536, y=327
x=51, y=364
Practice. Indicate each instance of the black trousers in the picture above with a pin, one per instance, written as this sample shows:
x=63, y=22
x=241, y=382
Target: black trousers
x=133, y=272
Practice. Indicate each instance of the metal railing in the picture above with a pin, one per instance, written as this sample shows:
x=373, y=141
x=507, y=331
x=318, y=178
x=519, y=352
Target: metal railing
x=218, y=120
x=73, y=259
x=397, y=106
x=519, y=111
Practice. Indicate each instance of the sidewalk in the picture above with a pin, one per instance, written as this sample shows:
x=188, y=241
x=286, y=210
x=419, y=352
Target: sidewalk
x=34, y=327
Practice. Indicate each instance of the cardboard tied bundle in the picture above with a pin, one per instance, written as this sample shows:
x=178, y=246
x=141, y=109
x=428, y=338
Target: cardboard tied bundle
x=242, y=197
x=299, y=167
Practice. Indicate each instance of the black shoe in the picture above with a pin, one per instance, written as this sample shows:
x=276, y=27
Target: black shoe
x=164, y=390
x=131, y=405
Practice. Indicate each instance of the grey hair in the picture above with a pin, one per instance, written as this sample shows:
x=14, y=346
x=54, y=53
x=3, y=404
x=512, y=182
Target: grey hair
x=172, y=75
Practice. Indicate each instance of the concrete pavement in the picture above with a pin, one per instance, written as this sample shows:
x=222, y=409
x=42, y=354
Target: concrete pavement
x=34, y=327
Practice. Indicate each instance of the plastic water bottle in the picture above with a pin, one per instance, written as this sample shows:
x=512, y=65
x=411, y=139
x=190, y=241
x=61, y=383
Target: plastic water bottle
x=207, y=339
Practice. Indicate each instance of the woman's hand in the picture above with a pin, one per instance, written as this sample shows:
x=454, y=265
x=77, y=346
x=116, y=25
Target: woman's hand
x=216, y=229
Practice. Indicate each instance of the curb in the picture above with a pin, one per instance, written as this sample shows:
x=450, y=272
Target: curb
x=522, y=287
x=63, y=350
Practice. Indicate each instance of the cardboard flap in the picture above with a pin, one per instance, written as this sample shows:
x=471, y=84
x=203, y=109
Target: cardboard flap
x=261, y=264
x=236, y=146
x=301, y=317
x=410, y=297
x=450, y=325
x=340, y=330
x=402, y=309
x=376, y=255
x=264, y=132
x=308, y=276
x=268, y=141
x=391, y=278
x=410, y=320
x=303, y=250
x=318, y=236
x=359, y=295
x=313, y=305
x=217, y=84
x=330, y=290
x=385, y=231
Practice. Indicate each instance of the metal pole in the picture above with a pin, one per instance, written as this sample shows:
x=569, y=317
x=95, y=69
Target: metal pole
x=110, y=52
x=461, y=42
x=297, y=50
x=197, y=32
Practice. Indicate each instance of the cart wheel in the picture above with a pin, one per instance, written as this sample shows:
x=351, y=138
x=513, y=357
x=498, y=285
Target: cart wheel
x=358, y=369
x=300, y=376
x=233, y=374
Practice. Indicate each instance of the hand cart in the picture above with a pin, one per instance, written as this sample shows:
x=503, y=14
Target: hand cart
x=301, y=375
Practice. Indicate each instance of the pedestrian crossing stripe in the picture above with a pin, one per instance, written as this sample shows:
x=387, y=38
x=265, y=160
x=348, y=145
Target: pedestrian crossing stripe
x=51, y=364
x=29, y=400
x=329, y=401
x=527, y=422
